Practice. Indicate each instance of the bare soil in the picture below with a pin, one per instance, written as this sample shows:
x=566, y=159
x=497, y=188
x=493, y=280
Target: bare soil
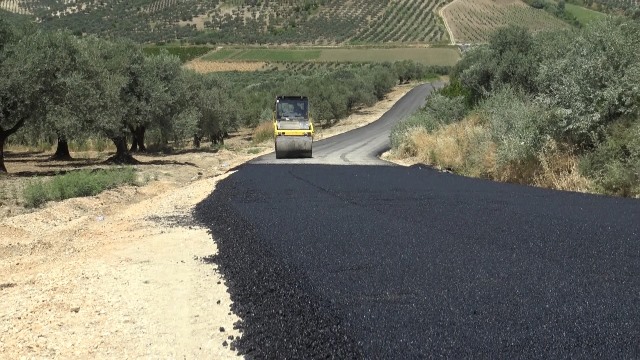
x=124, y=274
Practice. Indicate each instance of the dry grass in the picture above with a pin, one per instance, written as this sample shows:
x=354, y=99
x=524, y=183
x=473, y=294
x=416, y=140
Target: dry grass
x=464, y=147
x=467, y=148
x=559, y=170
x=262, y=132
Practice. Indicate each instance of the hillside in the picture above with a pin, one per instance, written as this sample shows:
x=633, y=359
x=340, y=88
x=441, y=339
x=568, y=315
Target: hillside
x=319, y=22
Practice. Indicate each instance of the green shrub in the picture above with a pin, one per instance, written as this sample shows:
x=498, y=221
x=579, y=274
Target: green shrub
x=446, y=109
x=77, y=184
x=614, y=165
x=421, y=119
x=517, y=125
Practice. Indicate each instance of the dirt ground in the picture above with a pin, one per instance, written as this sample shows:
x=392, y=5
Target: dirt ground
x=124, y=274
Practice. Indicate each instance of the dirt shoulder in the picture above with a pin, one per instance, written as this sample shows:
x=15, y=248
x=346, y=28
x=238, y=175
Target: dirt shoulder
x=124, y=274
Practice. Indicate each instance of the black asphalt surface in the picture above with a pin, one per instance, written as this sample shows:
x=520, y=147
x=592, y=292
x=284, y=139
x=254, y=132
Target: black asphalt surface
x=388, y=262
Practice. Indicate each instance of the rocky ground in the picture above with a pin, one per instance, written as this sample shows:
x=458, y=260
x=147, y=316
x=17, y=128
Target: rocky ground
x=125, y=274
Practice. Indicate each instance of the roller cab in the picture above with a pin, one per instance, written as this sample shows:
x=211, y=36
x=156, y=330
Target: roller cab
x=293, y=128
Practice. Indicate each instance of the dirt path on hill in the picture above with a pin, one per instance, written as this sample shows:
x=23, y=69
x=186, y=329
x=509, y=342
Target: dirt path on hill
x=125, y=274
x=446, y=23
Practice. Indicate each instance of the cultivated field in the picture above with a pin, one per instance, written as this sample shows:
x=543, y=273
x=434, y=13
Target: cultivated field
x=473, y=21
x=428, y=56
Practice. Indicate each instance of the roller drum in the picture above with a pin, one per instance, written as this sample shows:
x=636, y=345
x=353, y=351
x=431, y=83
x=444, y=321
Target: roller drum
x=293, y=146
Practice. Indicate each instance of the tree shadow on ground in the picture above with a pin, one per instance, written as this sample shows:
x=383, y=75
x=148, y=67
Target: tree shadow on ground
x=8, y=154
x=80, y=163
x=175, y=152
x=168, y=162
x=36, y=174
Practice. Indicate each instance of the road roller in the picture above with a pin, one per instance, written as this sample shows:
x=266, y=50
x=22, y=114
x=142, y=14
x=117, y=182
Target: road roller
x=293, y=127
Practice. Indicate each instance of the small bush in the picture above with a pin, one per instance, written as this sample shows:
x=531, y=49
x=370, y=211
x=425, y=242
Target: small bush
x=402, y=130
x=517, y=126
x=262, y=132
x=76, y=184
x=614, y=165
x=446, y=109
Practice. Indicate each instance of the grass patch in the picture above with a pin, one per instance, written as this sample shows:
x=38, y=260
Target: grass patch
x=77, y=184
x=584, y=15
x=185, y=53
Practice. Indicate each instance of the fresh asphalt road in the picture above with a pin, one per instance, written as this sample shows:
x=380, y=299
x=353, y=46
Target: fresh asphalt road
x=377, y=261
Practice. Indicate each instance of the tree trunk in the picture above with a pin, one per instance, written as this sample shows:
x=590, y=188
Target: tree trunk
x=122, y=155
x=134, y=141
x=3, y=169
x=137, y=144
x=62, y=150
x=140, y=131
x=4, y=134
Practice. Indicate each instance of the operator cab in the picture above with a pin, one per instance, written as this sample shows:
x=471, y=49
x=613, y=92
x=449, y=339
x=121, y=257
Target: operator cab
x=292, y=113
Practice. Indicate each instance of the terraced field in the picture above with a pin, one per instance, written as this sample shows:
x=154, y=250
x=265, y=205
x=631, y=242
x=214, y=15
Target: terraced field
x=473, y=21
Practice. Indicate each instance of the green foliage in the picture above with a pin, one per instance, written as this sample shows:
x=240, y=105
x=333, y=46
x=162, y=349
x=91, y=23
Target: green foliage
x=594, y=82
x=508, y=59
x=615, y=163
x=77, y=184
x=583, y=15
x=517, y=125
x=455, y=89
x=419, y=120
x=439, y=111
x=446, y=109
x=333, y=92
x=557, y=9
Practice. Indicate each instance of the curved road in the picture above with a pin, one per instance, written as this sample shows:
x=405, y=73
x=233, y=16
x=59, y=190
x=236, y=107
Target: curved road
x=391, y=262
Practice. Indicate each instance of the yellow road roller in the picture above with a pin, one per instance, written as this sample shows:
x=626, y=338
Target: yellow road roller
x=293, y=128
